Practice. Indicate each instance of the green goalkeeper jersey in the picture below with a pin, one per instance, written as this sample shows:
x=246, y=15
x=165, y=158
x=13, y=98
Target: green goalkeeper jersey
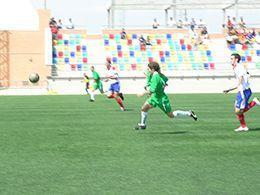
x=157, y=84
x=96, y=76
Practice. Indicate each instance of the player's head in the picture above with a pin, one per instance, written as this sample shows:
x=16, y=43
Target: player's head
x=92, y=68
x=153, y=66
x=235, y=58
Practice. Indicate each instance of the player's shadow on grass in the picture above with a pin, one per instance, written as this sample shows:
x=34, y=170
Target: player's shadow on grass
x=254, y=129
x=126, y=110
x=169, y=132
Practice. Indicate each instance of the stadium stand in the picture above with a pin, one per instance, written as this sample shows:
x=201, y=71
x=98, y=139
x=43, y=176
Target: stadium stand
x=173, y=51
x=70, y=52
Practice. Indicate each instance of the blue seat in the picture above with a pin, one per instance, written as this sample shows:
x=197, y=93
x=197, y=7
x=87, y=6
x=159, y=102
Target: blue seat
x=106, y=42
x=206, y=66
x=84, y=48
x=132, y=54
x=243, y=58
x=163, y=59
x=66, y=60
x=233, y=47
x=114, y=60
x=208, y=53
x=167, y=53
x=72, y=54
x=134, y=36
x=54, y=54
x=168, y=36
x=119, y=47
x=183, y=47
x=79, y=66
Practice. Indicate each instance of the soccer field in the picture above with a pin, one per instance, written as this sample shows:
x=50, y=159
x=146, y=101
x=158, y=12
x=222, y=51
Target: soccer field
x=67, y=145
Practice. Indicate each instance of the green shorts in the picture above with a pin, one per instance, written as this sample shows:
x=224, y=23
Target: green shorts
x=98, y=85
x=162, y=102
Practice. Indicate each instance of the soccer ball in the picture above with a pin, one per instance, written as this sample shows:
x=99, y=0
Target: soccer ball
x=34, y=78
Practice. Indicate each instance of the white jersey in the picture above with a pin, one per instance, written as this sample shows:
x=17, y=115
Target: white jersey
x=114, y=74
x=240, y=71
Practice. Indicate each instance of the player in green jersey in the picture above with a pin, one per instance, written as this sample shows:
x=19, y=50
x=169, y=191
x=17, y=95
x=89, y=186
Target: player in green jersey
x=97, y=84
x=156, y=82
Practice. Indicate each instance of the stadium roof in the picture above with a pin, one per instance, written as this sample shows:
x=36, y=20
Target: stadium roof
x=183, y=4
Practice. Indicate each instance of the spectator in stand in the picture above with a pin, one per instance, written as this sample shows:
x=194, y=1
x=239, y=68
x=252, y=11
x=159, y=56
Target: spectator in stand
x=251, y=34
x=192, y=24
x=52, y=22
x=171, y=22
x=155, y=24
x=54, y=28
x=70, y=25
x=242, y=36
x=242, y=24
x=204, y=33
x=179, y=24
x=123, y=34
x=60, y=25
x=148, y=41
x=229, y=23
x=234, y=22
x=142, y=40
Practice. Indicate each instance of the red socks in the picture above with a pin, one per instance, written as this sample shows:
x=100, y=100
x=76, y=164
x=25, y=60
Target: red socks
x=250, y=105
x=118, y=100
x=241, y=119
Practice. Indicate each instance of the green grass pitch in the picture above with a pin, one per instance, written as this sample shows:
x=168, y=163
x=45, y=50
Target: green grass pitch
x=67, y=145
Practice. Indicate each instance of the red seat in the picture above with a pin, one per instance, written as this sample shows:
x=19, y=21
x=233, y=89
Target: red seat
x=143, y=48
x=161, y=53
x=133, y=66
x=111, y=36
x=129, y=41
x=73, y=67
x=120, y=54
x=158, y=41
x=60, y=54
x=244, y=47
x=85, y=60
x=181, y=41
x=78, y=47
x=212, y=65
x=59, y=36
x=249, y=58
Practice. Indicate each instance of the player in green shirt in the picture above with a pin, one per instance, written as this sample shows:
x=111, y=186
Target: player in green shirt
x=97, y=84
x=156, y=82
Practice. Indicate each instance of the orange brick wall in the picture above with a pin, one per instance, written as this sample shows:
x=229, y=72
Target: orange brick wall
x=27, y=53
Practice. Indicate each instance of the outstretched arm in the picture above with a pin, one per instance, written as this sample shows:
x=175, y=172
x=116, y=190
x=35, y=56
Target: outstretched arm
x=231, y=89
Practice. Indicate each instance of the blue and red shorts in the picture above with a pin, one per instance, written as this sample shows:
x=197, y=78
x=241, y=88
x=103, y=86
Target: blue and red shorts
x=243, y=98
x=115, y=87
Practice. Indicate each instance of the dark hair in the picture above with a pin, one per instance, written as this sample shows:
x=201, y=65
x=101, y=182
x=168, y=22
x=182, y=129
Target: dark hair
x=155, y=66
x=237, y=56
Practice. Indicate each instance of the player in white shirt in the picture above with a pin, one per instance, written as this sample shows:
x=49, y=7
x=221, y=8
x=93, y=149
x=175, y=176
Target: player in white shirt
x=244, y=92
x=114, y=85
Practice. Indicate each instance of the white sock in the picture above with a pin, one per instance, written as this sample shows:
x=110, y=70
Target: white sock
x=180, y=113
x=92, y=96
x=143, y=118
